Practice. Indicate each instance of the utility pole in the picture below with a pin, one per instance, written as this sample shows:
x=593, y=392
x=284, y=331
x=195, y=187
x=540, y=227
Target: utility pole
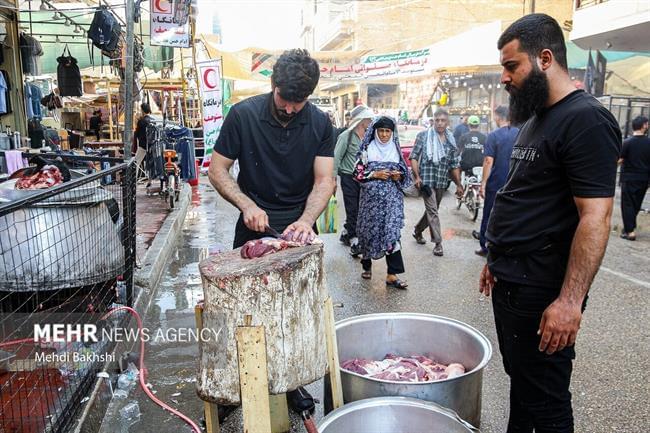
x=128, y=86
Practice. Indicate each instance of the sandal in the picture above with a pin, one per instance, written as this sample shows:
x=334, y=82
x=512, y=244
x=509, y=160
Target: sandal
x=366, y=275
x=628, y=236
x=397, y=284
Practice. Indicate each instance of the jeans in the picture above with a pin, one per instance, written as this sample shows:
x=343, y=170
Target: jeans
x=431, y=217
x=539, y=383
x=351, y=190
x=632, y=194
x=490, y=196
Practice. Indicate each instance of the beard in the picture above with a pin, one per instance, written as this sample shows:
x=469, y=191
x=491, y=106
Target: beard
x=530, y=98
x=282, y=115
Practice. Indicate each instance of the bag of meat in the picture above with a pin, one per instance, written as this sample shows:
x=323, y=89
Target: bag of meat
x=46, y=177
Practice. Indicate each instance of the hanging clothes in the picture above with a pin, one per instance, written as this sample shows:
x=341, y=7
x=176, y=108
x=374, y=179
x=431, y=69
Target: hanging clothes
x=28, y=101
x=7, y=93
x=3, y=95
x=31, y=51
x=35, y=96
x=68, y=75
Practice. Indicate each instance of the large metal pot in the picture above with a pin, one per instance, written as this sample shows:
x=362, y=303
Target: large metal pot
x=393, y=415
x=445, y=340
x=72, y=239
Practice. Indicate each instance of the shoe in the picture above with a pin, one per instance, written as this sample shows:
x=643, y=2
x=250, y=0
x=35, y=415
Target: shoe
x=418, y=238
x=355, y=250
x=437, y=250
x=481, y=252
x=628, y=236
x=397, y=284
x=345, y=239
x=300, y=401
x=366, y=275
x=476, y=235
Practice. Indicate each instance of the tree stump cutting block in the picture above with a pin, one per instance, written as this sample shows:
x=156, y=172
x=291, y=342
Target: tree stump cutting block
x=284, y=292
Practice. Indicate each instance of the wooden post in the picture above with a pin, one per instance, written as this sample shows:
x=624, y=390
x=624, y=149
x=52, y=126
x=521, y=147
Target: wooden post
x=253, y=379
x=110, y=108
x=333, y=355
x=280, y=422
x=210, y=409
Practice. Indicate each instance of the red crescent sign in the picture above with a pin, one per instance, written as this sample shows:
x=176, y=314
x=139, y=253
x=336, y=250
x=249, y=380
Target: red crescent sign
x=160, y=8
x=206, y=78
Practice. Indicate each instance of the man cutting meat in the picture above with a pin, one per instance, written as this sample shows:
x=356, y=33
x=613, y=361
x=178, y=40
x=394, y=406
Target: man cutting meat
x=285, y=149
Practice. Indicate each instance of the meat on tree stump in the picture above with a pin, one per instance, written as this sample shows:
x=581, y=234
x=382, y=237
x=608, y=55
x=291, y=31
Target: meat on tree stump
x=285, y=293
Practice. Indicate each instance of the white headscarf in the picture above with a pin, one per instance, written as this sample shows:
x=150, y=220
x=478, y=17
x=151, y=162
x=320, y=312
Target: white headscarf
x=383, y=152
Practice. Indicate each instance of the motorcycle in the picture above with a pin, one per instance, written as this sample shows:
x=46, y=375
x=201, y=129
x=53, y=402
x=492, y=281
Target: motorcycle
x=471, y=188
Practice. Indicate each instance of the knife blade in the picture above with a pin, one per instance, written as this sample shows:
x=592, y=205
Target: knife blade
x=273, y=232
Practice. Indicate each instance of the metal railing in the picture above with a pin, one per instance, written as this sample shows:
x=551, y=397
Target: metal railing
x=67, y=256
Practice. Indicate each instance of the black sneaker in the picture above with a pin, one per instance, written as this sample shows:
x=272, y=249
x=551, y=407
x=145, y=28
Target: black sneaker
x=300, y=401
x=418, y=238
x=476, y=235
x=355, y=250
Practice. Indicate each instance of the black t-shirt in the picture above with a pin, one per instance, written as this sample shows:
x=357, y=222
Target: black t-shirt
x=470, y=149
x=571, y=150
x=636, y=158
x=141, y=131
x=276, y=163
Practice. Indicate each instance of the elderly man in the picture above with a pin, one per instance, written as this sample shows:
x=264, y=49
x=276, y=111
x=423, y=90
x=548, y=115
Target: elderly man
x=345, y=155
x=433, y=159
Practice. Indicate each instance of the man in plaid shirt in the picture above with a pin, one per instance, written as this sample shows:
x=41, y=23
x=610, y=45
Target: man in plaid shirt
x=433, y=159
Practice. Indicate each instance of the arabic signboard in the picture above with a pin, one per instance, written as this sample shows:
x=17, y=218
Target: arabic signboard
x=392, y=65
x=165, y=30
x=212, y=98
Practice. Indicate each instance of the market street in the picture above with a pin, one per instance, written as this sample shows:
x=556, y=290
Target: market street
x=610, y=374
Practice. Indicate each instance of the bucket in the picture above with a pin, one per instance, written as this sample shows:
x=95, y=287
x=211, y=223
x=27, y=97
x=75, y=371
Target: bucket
x=440, y=338
x=393, y=415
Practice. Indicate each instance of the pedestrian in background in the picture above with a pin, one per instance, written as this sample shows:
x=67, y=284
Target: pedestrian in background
x=382, y=172
x=496, y=162
x=433, y=160
x=550, y=222
x=345, y=156
x=462, y=128
x=635, y=175
x=470, y=146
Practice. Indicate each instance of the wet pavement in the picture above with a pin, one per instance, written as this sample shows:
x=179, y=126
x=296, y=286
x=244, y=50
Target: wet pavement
x=610, y=382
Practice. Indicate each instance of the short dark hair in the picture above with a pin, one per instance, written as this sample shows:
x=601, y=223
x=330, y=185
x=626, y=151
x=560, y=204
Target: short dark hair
x=502, y=112
x=296, y=73
x=638, y=122
x=146, y=108
x=536, y=32
x=440, y=112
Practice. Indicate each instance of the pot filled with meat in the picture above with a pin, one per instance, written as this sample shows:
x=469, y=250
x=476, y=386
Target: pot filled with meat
x=393, y=415
x=422, y=356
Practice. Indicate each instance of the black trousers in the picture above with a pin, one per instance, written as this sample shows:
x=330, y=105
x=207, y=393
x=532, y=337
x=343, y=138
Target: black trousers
x=632, y=194
x=394, y=263
x=351, y=190
x=539, y=383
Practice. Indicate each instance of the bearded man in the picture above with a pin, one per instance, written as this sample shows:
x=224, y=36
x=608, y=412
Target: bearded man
x=550, y=223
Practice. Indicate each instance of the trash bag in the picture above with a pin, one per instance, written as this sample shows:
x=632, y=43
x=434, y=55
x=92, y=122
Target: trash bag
x=327, y=222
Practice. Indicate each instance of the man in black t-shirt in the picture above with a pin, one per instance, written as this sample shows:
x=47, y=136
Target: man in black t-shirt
x=550, y=222
x=635, y=175
x=285, y=149
x=470, y=146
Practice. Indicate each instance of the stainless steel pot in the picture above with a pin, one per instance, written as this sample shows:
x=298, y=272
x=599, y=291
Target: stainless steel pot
x=393, y=415
x=445, y=340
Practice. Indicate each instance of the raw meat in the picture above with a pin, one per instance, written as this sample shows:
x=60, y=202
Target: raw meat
x=265, y=246
x=403, y=369
x=47, y=177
